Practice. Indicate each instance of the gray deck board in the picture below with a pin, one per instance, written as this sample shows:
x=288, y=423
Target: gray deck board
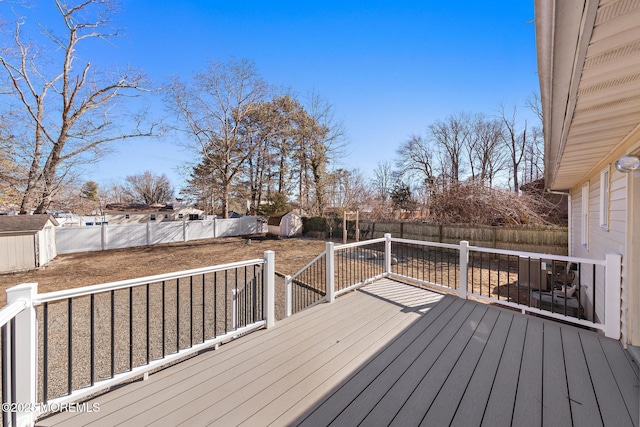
x=528, y=405
x=389, y=354
x=416, y=406
x=499, y=409
x=470, y=409
x=401, y=389
x=374, y=378
x=584, y=406
x=458, y=379
x=625, y=375
x=555, y=402
x=610, y=400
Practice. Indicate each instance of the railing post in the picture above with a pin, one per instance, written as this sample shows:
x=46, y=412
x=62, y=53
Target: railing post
x=287, y=296
x=464, y=269
x=234, y=309
x=387, y=254
x=269, y=293
x=26, y=347
x=329, y=273
x=613, y=270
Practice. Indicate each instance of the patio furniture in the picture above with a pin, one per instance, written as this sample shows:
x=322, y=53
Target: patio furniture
x=556, y=302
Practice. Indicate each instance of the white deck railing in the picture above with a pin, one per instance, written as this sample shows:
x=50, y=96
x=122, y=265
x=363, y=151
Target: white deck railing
x=484, y=273
x=29, y=312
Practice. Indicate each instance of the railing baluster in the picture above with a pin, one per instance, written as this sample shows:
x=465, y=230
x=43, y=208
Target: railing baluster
x=163, y=320
x=131, y=328
x=148, y=323
x=254, y=284
x=178, y=315
x=113, y=334
x=93, y=341
x=70, y=346
x=45, y=353
x=204, y=301
x=215, y=304
x=226, y=301
x=191, y=311
x=5, y=374
x=12, y=361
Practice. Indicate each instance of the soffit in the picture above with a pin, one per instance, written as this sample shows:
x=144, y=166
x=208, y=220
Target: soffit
x=595, y=105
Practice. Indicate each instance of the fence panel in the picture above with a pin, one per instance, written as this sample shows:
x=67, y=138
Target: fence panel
x=84, y=239
x=78, y=239
x=125, y=236
x=197, y=230
x=239, y=226
x=166, y=232
x=553, y=240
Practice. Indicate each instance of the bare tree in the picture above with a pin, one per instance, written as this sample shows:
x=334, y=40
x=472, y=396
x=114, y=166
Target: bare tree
x=115, y=192
x=534, y=103
x=12, y=175
x=416, y=159
x=149, y=188
x=488, y=157
x=450, y=136
x=382, y=182
x=64, y=110
x=326, y=138
x=214, y=108
x=515, y=139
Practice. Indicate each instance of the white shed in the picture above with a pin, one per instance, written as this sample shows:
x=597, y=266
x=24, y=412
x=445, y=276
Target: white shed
x=26, y=242
x=287, y=225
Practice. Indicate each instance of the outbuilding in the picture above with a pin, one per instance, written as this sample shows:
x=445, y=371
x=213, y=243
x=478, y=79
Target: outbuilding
x=287, y=225
x=26, y=242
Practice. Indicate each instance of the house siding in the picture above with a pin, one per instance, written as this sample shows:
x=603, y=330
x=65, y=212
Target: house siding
x=603, y=241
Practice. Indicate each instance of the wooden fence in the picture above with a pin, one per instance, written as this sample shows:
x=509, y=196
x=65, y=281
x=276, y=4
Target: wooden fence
x=547, y=240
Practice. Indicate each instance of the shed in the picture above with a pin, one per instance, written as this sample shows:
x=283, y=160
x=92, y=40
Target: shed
x=26, y=242
x=287, y=225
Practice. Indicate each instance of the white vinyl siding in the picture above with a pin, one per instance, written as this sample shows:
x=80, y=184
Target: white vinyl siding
x=584, y=216
x=604, y=199
x=589, y=239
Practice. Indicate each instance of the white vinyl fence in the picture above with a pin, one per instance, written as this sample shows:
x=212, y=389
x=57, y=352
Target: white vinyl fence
x=99, y=238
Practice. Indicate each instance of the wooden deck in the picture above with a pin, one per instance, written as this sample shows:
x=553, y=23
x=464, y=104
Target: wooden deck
x=389, y=354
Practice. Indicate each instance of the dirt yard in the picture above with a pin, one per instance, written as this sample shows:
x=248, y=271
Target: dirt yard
x=91, y=268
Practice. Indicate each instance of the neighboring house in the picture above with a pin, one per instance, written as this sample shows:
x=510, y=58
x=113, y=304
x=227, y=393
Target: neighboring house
x=589, y=69
x=26, y=242
x=287, y=225
x=137, y=213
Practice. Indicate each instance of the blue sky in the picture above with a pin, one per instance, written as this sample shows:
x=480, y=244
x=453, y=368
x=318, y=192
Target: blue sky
x=390, y=68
